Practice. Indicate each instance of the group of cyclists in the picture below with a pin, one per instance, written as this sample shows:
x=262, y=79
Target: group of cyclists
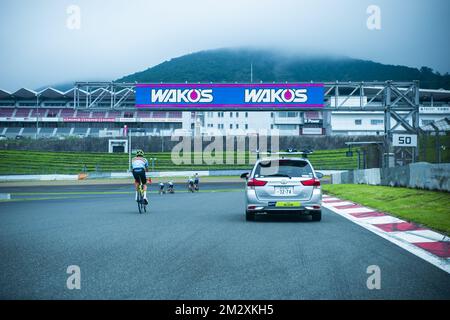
x=139, y=165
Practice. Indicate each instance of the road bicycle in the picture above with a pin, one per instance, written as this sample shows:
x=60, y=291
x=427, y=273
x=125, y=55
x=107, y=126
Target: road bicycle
x=140, y=199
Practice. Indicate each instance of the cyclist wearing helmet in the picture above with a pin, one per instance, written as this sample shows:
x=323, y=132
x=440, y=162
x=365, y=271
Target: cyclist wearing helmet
x=139, y=166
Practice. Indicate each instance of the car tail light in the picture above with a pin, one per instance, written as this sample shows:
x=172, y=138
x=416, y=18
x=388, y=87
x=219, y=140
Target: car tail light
x=256, y=183
x=311, y=182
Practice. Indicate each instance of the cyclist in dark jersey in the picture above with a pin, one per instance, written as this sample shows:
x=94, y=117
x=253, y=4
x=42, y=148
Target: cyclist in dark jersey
x=139, y=166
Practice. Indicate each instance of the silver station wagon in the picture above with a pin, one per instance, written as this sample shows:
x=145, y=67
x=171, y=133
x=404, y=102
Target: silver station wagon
x=283, y=185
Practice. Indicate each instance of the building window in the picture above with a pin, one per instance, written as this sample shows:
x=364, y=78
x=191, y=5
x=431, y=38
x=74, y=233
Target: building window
x=271, y=126
x=271, y=114
x=231, y=114
x=246, y=126
x=358, y=122
x=231, y=126
x=237, y=126
x=426, y=122
x=375, y=122
x=237, y=114
x=246, y=114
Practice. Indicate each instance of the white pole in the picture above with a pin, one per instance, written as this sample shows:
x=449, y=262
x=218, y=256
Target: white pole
x=129, y=150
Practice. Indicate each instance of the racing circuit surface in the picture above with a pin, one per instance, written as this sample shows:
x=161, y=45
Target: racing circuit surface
x=192, y=246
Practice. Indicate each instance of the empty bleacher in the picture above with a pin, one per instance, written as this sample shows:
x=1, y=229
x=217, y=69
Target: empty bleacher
x=29, y=132
x=67, y=113
x=78, y=131
x=6, y=112
x=22, y=112
x=46, y=132
x=98, y=114
x=52, y=113
x=144, y=114
x=12, y=132
x=63, y=131
x=72, y=113
x=83, y=114
x=94, y=132
x=114, y=114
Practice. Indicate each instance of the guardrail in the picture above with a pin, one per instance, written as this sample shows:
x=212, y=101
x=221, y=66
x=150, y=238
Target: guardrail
x=420, y=175
x=122, y=175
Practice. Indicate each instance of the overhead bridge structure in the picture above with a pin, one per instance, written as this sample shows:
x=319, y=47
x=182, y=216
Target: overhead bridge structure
x=400, y=102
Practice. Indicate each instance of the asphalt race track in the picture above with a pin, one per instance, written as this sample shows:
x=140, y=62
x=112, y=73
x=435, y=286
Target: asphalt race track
x=193, y=246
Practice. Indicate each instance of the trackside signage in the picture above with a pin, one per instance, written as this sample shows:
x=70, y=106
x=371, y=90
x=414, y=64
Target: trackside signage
x=223, y=96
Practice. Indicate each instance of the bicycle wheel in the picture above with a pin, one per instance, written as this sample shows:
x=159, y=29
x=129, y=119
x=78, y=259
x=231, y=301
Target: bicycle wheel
x=139, y=201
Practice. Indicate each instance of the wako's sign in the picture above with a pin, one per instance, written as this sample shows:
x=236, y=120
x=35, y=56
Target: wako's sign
x=229, y=96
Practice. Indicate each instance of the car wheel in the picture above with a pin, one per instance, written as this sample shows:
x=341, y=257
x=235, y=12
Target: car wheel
x=317, y=216
x=249, y=216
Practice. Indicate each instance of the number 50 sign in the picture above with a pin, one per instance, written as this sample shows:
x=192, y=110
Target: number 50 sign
x=404, y=140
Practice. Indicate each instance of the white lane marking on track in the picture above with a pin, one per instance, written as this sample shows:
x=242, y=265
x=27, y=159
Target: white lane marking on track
x=355, y=210
x=381, y=220
x=419, y=236
x=331, y=199
x=343, y=203
x=441, y=263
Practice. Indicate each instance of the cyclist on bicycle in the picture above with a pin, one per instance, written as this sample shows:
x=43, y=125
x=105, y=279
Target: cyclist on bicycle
x=191, y=184
x=139, y=166
x=196, y=181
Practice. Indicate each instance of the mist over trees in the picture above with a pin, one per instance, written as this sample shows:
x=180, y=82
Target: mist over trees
x=233, y=65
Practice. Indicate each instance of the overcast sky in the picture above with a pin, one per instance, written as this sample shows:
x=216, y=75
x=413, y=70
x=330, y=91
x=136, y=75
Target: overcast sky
x=118, y=37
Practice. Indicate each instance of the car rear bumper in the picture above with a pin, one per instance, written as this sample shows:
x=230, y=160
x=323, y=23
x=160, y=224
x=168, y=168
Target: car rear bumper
x=310, y=206
x=271, y=210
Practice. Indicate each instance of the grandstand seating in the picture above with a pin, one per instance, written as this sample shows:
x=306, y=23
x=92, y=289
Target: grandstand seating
x=70, y=113
x=29, y=128
x=63, y=131
x=67, y=113
x=144, y=114
x=23, y=112
x=12, y=132
x=128, y=114
x=6, y=112
x=29, y=132
x=46, y=132
x=98, y=114
x=52, y=113
x=78, y=131
x=94, y=132
x=83, y=114
x=115, y=114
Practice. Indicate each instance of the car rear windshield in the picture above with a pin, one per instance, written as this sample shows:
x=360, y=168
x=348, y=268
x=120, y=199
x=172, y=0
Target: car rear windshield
x=283, y=168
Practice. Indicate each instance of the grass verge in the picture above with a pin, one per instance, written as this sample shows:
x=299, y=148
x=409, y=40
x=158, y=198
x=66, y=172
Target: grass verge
x=428, y=208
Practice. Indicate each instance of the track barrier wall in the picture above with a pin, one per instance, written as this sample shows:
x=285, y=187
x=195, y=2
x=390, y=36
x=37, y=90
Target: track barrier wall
x=420, y=175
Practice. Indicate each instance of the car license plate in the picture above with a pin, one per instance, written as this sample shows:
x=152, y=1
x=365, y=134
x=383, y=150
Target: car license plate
x=284, y=191
x=287, y=204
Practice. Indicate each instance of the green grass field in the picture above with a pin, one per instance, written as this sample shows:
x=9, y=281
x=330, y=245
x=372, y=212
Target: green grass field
x=35, y=162
x=429, y=208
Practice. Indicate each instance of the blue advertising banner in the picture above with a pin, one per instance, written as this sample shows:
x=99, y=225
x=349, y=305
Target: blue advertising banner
x=225, y=96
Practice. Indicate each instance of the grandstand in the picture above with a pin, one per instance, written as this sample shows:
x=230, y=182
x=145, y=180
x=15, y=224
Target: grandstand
x=51, y=113
x=106, y=110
